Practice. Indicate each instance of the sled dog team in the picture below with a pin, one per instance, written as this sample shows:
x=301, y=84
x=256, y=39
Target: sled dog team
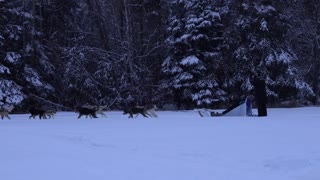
x=86, y=110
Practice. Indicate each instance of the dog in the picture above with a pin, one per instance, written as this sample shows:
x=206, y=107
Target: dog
x=85, y=111
x=100, y=111
x=150, y=110
x=4, y=111
x=135, y=110
x=50, y=113
x=37, y=112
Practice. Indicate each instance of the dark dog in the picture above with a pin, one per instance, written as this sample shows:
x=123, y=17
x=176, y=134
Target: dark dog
x=84, y=111
x=37, y=112
x=99, y=110
x=135, y=110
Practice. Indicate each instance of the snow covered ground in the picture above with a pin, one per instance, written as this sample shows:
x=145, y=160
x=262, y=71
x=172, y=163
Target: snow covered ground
x=179, y=145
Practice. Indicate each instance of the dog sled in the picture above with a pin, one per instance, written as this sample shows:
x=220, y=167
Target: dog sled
x=243, y=108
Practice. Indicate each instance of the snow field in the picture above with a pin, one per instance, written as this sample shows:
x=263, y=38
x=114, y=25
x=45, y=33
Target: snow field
x=177, y=145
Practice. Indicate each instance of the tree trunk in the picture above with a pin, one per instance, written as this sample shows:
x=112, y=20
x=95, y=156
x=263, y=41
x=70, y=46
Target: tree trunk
x=260, y=96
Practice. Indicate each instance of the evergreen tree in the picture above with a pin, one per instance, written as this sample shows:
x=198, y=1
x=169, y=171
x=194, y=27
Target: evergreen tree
x=304, y=39
x=68, y=34
x=263, y=53
x=10, y=54
x=195, y=39
x=110, y=52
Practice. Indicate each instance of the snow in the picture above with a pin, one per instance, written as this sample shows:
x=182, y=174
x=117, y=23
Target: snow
x=190, y=60
x=264, y=25
x=261, y=9
x=183, y=77
x=4, y=70
x=215, y=15
x=183, y=38
x=199, y=37
x=11, y=91
x=204, y=24
x=177, y=145
x=12, y=57
x=32, y=76
x=285, y=57
x=279, y=57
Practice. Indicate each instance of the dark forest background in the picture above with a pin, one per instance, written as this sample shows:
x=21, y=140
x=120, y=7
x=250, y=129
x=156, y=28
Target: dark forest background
x=176, y=54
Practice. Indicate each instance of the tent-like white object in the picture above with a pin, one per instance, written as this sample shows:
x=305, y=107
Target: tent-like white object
x=243, y=108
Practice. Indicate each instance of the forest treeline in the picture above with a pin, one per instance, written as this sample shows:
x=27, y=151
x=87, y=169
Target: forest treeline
x=173, y=53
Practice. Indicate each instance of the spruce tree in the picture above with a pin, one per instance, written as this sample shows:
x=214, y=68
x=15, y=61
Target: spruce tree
x=262, y=52
x=10, y=55
x=194, y=40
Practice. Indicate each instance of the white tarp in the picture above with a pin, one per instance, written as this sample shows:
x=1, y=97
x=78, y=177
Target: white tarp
x=240, y=110
x=244, y=108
